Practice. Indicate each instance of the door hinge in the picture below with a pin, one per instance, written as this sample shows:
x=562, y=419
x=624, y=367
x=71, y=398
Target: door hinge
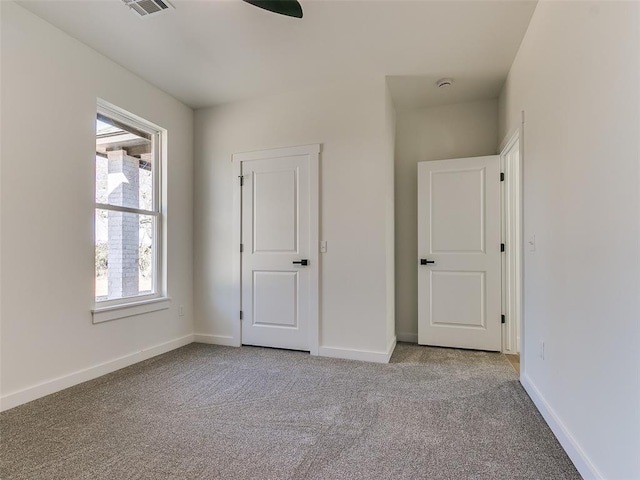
x=502, y=247
x=241, y=180
x=240, y=314
x=241, y=248
x=504, y=320
x=502, y=176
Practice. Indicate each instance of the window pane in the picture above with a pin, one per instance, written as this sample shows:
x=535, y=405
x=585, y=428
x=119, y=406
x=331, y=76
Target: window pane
x=145, y=192
x=102, y=174
x=125, y=254
x=124, y=161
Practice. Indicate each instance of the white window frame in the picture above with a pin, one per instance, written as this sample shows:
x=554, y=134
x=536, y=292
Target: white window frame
x=113, y=309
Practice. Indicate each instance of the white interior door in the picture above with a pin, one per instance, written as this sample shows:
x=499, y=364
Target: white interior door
x=459, y=268
x=278, y=261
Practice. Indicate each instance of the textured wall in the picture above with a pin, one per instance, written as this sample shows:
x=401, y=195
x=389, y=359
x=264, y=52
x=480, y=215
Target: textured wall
x=50, y=86
x=577, y=77
x=355, y=165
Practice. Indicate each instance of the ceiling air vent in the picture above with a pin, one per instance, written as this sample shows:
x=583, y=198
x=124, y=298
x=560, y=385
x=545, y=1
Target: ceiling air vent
x=145, y=8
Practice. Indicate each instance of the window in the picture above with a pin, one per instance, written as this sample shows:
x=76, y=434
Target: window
x=128, y=219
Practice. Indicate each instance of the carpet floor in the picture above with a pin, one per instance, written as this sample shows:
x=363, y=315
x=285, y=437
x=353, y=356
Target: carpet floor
x=211, y=412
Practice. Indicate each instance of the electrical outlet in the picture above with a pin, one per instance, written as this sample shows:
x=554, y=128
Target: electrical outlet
x=542, y=350
x=323, y=246
x=181, y=311
x=532, y=243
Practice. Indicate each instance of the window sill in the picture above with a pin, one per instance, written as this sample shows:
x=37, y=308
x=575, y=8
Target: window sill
x=115, y=312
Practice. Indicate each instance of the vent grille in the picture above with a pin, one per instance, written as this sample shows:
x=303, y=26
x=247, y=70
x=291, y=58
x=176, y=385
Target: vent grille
x=147, y=7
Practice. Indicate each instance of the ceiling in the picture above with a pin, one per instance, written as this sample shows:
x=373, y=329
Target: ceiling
x=206, y=53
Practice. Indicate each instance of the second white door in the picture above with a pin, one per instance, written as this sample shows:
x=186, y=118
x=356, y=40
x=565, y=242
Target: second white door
x=459, y=269
x=278, y=262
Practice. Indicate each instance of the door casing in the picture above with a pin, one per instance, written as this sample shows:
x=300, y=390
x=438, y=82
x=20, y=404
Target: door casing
x=511, y=166
x=313, y=153
x=518, y=134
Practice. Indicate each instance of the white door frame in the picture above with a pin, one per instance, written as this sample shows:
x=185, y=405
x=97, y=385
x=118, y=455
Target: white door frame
x=512, y=231
x=313, y=151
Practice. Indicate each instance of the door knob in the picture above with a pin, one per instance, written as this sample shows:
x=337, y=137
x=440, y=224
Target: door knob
x=424, y=261
x=304, y=262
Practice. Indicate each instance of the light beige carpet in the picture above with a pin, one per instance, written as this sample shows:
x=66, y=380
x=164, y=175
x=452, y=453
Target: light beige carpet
x=208, y=412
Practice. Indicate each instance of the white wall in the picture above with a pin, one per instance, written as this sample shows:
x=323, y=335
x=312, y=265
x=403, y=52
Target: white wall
x=577, y=77
x=349, y=121
x=436, y=133
x=49, y=86
x=390, y=227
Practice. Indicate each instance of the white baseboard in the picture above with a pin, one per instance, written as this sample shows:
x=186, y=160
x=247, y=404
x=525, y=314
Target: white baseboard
x=407, y=337
x=391, y=347
x=362, y=355
x=20, y=397
x=216, y=339
x=582, y=462
x=29, y=394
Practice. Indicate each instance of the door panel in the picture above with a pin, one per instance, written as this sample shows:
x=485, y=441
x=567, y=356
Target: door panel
x=459, y=195
x=275, y=297
x=459, y=235
x=275, y=232
x=275, y=211
x=447, y=288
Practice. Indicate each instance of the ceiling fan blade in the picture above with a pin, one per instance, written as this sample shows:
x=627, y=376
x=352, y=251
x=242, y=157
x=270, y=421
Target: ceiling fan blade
x=290, y=8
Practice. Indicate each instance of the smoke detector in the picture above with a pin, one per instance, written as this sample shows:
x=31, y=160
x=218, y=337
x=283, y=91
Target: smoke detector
x=444, y=83
x=144, y=8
